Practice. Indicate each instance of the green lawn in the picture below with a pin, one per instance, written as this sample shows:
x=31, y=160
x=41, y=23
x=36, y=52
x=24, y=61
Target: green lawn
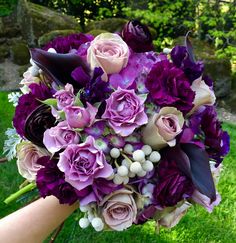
x=196, y=226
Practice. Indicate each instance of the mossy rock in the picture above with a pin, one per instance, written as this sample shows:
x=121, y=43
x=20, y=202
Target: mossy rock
x=109, y=24
x=97, y=32
x=44, y=39
x=4, y=52
x=20, y=53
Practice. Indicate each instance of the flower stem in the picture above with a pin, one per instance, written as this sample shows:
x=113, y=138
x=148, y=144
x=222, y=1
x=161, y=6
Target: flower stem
x=22, y=191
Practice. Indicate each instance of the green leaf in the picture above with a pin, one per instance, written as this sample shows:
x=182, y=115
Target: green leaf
x=50, y=102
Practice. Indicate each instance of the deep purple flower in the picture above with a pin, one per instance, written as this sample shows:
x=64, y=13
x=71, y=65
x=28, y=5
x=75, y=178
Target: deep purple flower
x=67, y=43
x=137, y=36
x=216, y=140
x=50, y=181
x=182, y=60
x=96, y=90
x=80, y=76
x=169, y=86
x=172, y=185
x=28, y=103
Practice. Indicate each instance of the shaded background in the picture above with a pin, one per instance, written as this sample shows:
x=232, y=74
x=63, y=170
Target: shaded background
x=26, y=24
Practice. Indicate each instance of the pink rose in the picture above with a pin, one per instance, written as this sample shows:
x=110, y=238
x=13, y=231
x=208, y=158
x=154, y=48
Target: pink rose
x=27, y=157
x=119, y=209
x=65, y=97
x=109, y=52
x=59, y=137
x=125, y=111
x=163, y=127
x=204, y=95
x=80, y=117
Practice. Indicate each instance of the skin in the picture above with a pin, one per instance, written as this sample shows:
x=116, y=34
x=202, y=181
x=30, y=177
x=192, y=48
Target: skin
x=34, y=222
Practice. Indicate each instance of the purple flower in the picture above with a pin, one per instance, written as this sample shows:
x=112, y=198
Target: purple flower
x=50, y=181
x=80, y=117
x=172, y=185
x=169, y=86
x=125, y=111
x=65, y=97
x=96, y=90
x=205, y=201
x=67, y=43
x=59, y=137
x=182, y=60
x=216, y=140
x=80, y=76
x=137, y=36
x=28, y=103
x=83, y=163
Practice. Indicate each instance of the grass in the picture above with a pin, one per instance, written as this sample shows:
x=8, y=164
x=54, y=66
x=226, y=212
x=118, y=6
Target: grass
x=196, y=226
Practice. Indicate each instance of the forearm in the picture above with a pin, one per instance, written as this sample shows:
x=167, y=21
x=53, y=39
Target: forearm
x=34, y=222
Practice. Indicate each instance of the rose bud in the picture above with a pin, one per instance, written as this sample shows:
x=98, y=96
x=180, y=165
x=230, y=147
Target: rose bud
x=137, y=36
x=163, y=127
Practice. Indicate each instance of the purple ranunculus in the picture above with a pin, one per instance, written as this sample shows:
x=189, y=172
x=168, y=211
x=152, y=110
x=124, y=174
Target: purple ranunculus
x=217, y=141
x=181, y=59
x=59, y=137
x=83, y=163
x=169, y=86
x=172, y=185
x=64, y=44
x=125, y=111
x=80, y=117
x=50, y=181
x=65, y=97
x=137, y=36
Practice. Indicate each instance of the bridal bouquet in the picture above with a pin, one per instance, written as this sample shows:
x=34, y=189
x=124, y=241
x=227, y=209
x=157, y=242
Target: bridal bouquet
x=130, y=134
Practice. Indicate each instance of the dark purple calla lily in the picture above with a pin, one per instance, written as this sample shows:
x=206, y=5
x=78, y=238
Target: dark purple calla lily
x=58, y=67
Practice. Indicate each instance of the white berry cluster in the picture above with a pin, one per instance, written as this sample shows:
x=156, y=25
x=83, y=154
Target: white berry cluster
x=90, y=218
x=141, y=162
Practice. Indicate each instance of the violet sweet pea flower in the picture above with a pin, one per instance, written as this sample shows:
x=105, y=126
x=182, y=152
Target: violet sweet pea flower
x=83, y=163
x=80, y=117
x=125, y=111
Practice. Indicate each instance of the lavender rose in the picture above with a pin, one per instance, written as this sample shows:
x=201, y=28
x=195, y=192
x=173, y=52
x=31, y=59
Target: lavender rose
x=163, y=127
x=109, y=52
x=82, y=163
x=125, y=111
x=80, y=117
x=59, y=137
x=119, y=209
x=28, y=155
x=65, y=97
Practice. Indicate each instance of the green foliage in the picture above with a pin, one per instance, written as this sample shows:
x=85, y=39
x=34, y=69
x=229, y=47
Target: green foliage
x=6, y=7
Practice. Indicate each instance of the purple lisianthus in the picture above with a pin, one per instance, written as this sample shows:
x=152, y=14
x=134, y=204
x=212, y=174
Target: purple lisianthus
x=83, y=163
x=125, y=111
x=169, y=86
x=182, y=60
x=80, y=117
x=137, y=36
x=172, y=185
x=67, y=43
x=59, y=137
x=65, y=97
x=50, y=181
